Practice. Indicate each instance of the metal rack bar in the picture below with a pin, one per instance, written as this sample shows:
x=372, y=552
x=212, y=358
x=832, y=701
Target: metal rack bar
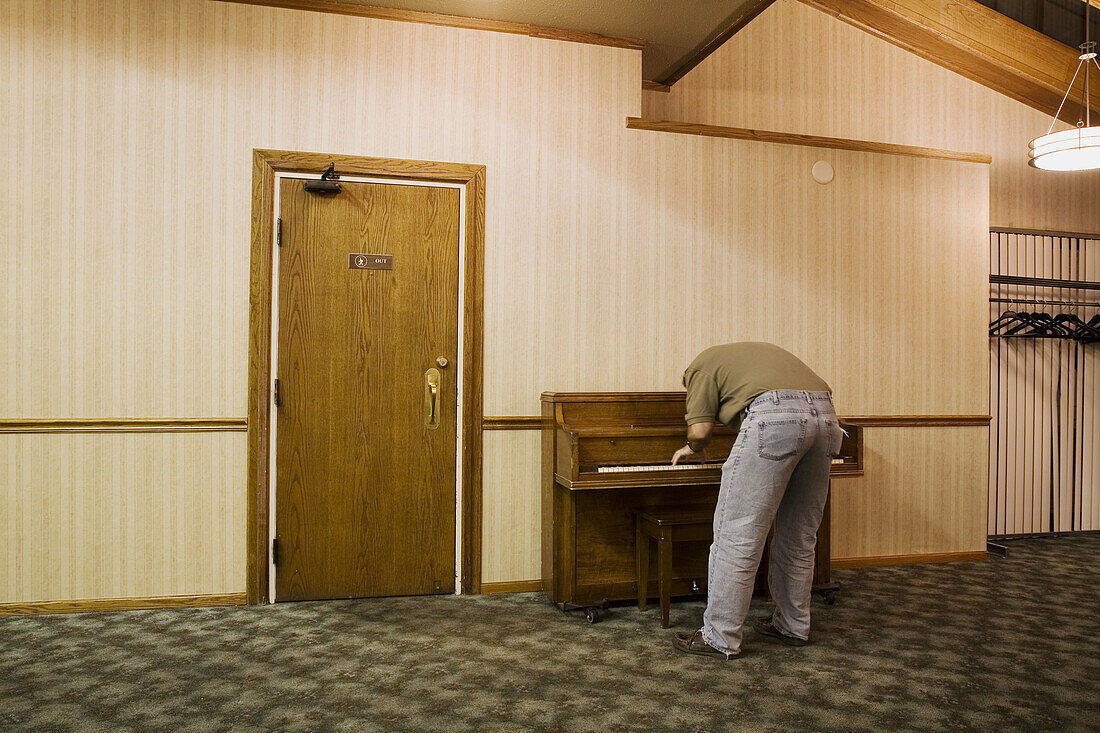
x=1038, y=336
x=1035, y=301
x=1043, y=282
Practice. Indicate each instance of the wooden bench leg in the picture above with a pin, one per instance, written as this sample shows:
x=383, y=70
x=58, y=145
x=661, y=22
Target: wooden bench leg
x=664, y=577
x=641, y=563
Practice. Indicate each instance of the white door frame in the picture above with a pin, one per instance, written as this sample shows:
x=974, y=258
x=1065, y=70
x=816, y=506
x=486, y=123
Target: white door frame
x=273, y=427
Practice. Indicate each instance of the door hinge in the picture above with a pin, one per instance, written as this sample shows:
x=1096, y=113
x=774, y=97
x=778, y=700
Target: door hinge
x=279, y=232
x=275, y=551
x=277, y=398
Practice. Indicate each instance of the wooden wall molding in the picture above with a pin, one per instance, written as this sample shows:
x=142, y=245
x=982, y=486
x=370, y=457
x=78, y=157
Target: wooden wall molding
x=726, y=31
x=813, y=141
x=452, y=21
x=976, y=42
x=917, y=559
x=124, y=425
x=512, y=422
x=534, y=422
x=1045, y=233
x=917, y=421
x=266, y=163
x=592, y=39
x=121, y=604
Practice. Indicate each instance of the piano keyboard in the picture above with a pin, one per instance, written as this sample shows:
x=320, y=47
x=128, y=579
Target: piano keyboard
x=662, y=467
x=670, y=467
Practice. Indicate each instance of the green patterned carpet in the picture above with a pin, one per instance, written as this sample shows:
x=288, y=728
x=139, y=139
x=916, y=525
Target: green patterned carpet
x=1009, y=645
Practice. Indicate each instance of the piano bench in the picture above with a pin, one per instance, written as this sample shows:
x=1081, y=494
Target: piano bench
x=666, y=526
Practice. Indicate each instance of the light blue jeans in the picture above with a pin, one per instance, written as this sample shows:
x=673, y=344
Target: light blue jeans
x=777, y=471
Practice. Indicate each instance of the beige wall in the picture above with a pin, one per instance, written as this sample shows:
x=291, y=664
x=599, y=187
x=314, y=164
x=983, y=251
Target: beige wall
x=796, y=69
x=612, y=257
x=923, y=492
x=120, y=516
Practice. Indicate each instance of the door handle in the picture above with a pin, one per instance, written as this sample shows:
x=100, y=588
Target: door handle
x=431, y=397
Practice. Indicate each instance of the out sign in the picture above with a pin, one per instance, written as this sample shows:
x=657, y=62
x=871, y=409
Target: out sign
x=363, y=261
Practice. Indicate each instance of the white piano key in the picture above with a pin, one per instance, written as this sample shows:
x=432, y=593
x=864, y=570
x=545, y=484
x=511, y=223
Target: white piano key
x=670, y=467
x=661, y=467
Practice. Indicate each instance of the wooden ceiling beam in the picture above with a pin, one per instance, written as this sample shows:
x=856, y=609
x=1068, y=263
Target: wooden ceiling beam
x=978, y=43
x=744, y=15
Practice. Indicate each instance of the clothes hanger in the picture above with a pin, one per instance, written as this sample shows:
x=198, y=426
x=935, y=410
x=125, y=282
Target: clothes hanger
x=1024, y=320
x=1004, y=319
x=1088, y=332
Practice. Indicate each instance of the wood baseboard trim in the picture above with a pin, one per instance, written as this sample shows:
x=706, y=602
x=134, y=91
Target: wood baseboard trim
x=812, y=141
x=512, y=586
x=453, y=21
x=125, y=425
x=96, y=605
x=530, y=586
x=927, y=558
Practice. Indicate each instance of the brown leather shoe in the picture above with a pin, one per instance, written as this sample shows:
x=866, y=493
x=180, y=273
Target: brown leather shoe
x=694, y=643
x=765, y=627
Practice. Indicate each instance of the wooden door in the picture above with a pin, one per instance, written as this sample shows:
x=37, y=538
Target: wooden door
x=365, y=488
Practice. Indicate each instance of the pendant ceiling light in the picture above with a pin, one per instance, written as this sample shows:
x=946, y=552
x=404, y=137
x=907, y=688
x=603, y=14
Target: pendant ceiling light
x=1077, y=149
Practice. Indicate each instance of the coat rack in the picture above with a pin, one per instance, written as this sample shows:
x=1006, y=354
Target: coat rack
x=1013, y=324
x=1043, y=383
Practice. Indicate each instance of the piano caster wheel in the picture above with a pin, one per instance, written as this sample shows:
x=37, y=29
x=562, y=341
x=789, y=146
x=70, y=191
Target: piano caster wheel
x=829, y=597
x=593, y=615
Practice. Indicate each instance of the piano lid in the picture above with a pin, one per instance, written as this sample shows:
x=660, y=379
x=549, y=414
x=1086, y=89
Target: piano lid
x=628, y=413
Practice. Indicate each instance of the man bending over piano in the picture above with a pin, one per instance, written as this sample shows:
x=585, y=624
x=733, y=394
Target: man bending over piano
x=778, y=470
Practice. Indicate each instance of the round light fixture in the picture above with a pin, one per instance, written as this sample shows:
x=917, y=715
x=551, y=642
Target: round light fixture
x=1070, y=150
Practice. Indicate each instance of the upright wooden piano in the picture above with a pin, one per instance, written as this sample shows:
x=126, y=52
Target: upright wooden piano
x=607, y=455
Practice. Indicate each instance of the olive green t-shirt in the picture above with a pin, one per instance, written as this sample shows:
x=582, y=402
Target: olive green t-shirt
x=723, y=380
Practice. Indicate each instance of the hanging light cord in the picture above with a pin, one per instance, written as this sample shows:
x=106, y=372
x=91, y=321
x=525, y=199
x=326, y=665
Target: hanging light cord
x=1087, y=54
x=1088, y=49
